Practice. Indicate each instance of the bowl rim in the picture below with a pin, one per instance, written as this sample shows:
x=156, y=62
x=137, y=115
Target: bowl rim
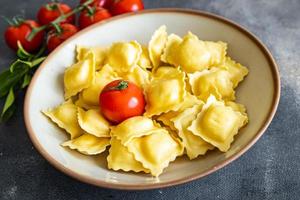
x=96, y=182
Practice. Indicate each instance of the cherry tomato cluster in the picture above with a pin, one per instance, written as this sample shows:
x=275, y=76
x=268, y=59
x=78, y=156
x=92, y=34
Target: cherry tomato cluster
x=58, y=22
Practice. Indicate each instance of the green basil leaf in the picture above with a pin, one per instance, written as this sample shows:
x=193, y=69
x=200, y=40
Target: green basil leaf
x=3, y=75
x=19, y=62
x=9, y=113
x=11, y=79
x=10, y=99
x=22, y=53
x=26, y=80
x=37, y=61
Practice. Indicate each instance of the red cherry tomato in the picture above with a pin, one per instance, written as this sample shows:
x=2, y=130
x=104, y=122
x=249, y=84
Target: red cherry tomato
x=13, y=34
x=51, y=11
x=101, y=3
x=125, y=6
x=93, y=15
x=54, y=39
x=120, y=100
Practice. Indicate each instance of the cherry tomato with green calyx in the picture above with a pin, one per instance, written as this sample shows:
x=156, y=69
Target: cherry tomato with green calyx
x=91, y=15
x=55, y=38
x=20, y=31
x=51, y=11
x=120, y=100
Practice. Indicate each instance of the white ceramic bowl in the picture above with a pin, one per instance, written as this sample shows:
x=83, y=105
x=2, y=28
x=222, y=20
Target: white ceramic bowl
x=259, y=92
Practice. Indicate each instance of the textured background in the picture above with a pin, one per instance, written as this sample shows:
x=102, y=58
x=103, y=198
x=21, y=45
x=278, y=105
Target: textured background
x=269, y=170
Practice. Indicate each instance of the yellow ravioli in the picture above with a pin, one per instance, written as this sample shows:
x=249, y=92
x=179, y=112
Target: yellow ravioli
x=236, y=71
x=217, y=124
x=79, y=76
x=144, y=60
x=65, y=116
x=193, y=54
x=99, y=52
x=165, y=92
x=123, y=56
x=93, y=122
x=193, y=144
x=155, y=151
x=157, y=45
x=133, y=127
x=215, y=81
x=120, y=158
x=88, y=144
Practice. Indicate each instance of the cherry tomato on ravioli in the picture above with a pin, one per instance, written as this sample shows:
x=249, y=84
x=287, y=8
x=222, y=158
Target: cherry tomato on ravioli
x=120, y=100
x=92, y=15
x=54, y=39
x=20, y=32
x=51, y=11
x=124, y=6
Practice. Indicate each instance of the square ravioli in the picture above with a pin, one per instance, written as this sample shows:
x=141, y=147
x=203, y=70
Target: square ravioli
x=65, y=116
x=165, y=92
x=155, y=157
x=193, y=54
x=123, y=56
x=120, y=158
x=215, y=81
x=88, y=144
x=217, y=123
x=193, y=144
x=79, y=76
x=99, y=52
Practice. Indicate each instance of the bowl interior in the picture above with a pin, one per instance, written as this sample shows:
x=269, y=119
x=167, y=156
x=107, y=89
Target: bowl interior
x=258, y=93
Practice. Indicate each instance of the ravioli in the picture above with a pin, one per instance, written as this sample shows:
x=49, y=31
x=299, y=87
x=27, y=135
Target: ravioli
x=189, y=101
x=120, y=158
x=170, y=52
x=157, y=45
x=193, y=54
x=216, y=81
x=93, y=122
x=144, y=60
x=99, y=52
x=65, y=116
x=155, y=151
x=165, y=92
x=138, y=75
x=79, y=76
x=189, y=89
x=133, y=127
x=193, y=144
x=217, y=124
x=89, y=97
x=88, y=144
x=123, y=56
x=236, y=71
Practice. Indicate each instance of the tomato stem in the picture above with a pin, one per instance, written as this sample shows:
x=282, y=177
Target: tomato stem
x=121, y=85
x=58, y=20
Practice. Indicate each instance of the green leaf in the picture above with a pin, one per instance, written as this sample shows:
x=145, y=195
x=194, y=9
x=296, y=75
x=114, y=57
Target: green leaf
x=26, y=80
x=37, y=61
x=9, y=101
x=9, y=113
x=22, y=53
x=3, y=75
x=11, y=79
x=19, y=62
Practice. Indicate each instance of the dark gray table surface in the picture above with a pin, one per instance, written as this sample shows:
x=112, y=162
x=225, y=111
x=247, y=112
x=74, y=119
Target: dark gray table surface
x=269, y=170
